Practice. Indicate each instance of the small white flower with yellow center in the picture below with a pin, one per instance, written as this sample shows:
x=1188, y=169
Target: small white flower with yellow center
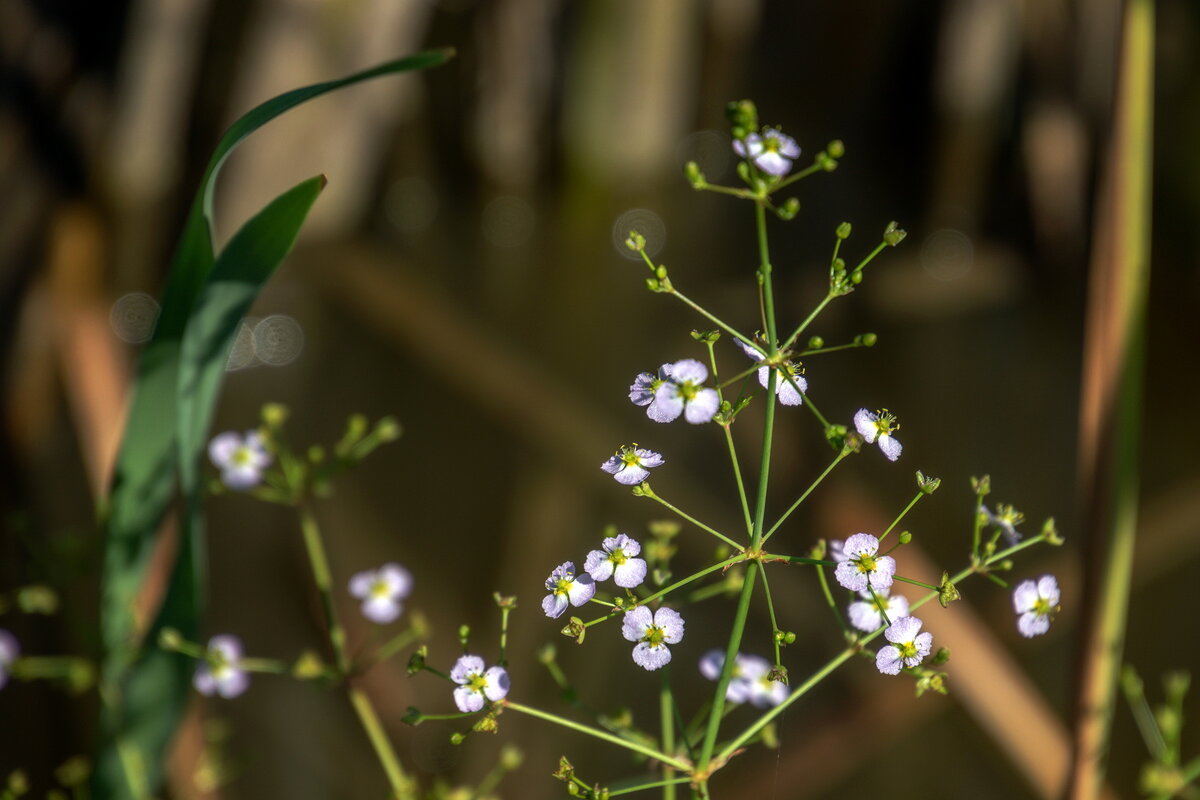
x=1006, y=519
x=221, y=670
x=790, y=385
x=9, y=650
x=241, y=459
x=1036, y=603
x=749, y=681
x=865, y=614
x=617, y=560
x=632, y=464
x=772, y=152
x=863, y=566
x=477, y=682
x=908, y=647
x=565, y=588
x=683, y=392
x=878, y=427
x=382, y=591
x=652, y=632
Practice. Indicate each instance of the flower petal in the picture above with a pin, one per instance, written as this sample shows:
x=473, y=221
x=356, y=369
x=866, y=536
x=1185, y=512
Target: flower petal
x=497, y=683
x=635, y=622
x=381, y=608
x=630, y=574
x=887, y=660
x=1031, y=624
x=222, y=447
x=1025, y=597
x=671, y=623
x=650, y=657
x=1048, y=589
x=689, y=370
x=467, y=699
x=554, y=605
x=703, y=406
x=890, y=447
x=667, y=405
x=465, y=667
x=581, y=590
x=864, y=423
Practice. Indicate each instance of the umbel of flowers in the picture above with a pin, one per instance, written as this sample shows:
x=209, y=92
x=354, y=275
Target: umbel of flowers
x=640, y=588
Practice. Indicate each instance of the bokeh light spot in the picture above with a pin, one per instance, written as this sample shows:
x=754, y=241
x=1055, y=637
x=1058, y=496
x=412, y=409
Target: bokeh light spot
x=278, y=340
x=947, y=254
x=645, y=222
x=133, y=317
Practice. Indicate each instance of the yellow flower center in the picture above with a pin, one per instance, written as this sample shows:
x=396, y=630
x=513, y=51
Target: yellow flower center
x=654, y=635
x=242, y=456
x=866, y=563
x=477, y=682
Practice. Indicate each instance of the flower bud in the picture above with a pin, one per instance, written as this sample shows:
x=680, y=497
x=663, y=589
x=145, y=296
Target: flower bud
x=388, y=429
x=856, y=277
x=982, y=486
x=942, y=655
x=743, y=117
x=947, y=591
x=778, y=673
x=486, y=724
x=691, y=171
x=575, y=629
x=565, y=771
x=843, y=231
x=308, y=666
x=510, y=757
x=927, y=485
x=416, y=662
x=789, y=209
x=37, y=599
x=274, y=415
x=905, y=537
x=504, y=602
x=457, y=738
x=836, y=148
x=1051, y=533
x=636, y=242
x=893, y=234
x=73, y=772
x=815, y=343
x=170, y=639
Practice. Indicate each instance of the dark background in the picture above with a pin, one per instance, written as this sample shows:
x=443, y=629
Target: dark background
x=463, y=272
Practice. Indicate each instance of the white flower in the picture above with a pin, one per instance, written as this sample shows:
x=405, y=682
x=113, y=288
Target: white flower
x=907, y=649
x=1006, y=519
x=632, y=464
x=772, y=152
x=750, y=681
x=652, y=633
x=241, y=459
x=565, y=586
x=682, y=392
x=641, y=393
x=865, y=615
x=863, y=567
x=221, y=670
x=381, y=591
x=10, y=648
x=879, y=426
x=785, y=389
x=1036, y=603
x=616, y=560
x=477, y=682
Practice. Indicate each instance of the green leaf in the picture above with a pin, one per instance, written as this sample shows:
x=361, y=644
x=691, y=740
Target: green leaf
x=175, y=391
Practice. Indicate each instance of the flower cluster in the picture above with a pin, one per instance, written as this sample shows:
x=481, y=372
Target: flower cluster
x=477, y=682
x=677, y=389
x=749, y=682
x=1035, y=604
x=241, y=459
x=381, y=591
x=221, y=670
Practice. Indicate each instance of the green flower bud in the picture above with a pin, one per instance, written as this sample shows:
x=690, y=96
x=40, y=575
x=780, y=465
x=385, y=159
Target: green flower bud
x=464, y=633
x=308, y=666
x=815, y=343
x=416, y=662
x=565, y=771
x=1051, y=533
x=486, y=724
x=742, y=116
x=982, y=486
x=843, y=231
x=575, y=629
x=856, y=277
x=947, y=592
x=778, y=673
x=636, y=242
x=691, y=171
x=664, y=528
x=388, y=429
x=836, y=148
x=170, y=639
x=866, y=340
x=942, y=655
x=511, y=757
x=80, y=676
x=789, y=209
x=413, y=716
x=37, y=599
x=1175, y=685
x=274, y=415
x=905, y=537
x=457, y=738
x=73, y=772
x=653, y=285
x=893, y=234
x=547, y=653
x=503, y=601
x=927, y=485
x=743, y=171
x=660, y=272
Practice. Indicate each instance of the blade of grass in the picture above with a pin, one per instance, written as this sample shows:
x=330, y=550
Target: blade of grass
x=145, y=475
x=1112, y=397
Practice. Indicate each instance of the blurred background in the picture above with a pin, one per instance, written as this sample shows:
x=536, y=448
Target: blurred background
x=464, y=272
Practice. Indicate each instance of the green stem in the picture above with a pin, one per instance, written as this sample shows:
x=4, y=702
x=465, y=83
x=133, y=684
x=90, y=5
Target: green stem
x=503, y=660
x=710, y=317
x=764, y=270
x=737, y=474
x=808, y=403
x=693, y=520
x=743, y=194
x=833, y=606
x=903, y=514
x=598, y=734
x=804, y=173
x=914, y=582
x=396, y=644
x=831, y=349
x=841, y=455
x=666, y=709
x=321, y=576
x=791, y=340
x=771, y=613
x=670, y=783
x=402, y=786
x=978, y=528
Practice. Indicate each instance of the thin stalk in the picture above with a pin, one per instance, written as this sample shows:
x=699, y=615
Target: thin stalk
x=841, y=455
x=902, y=515
x=695, y=521
x=833, y=606
x=804, y=173
x=666, y=708
x=597, y=734
x=396, y=644
x=764, y=270
x=402, y=787
x=671, y=783
x=737, y=474
x=321, y=576
x=791, y=340
x=915, y=582
x=808, y=403
x=503, y=660
x=710, y=317
x=771, y=613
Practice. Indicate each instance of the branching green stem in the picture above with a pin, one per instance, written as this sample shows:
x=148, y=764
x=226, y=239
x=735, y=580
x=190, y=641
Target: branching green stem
x=694, y=521
x=837, y=460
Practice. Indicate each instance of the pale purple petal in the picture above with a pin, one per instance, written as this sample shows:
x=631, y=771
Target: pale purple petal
x=903, y=630
x=629, y=546
x=649, y=458
x=1031, y=624
x=667, y=405
x=787, y=389
x=642, y=391
x=671, y=623
x=772, y=163
x=231, y=682
x=860, y=544
x=751, y=352
x=635, y=622
x=897, y=606
x=710, y=664
x=222, y=448
x=748, y=147
x=10, y=648
x=582, y=589
x=703, y=406
x=613, y=465
x=689, y=369
x=465, y=667
x=847, y=575
x=554, y=605
x=497, y=683
x=598, y=566
x=631, y=475
x=924, y=644
x=204, y=682
x=887, y=660
x=651, y=658
x=1025, y=597
x=630, y=574
x=467, y=700
x=360, y=583
x=885, y=569
x=381, y=608
x=241, y=476
x=398, y=579
x=1048, y=589
x=229, y=646
x=786, y=144
x=864, y=615
x=890, y=447
x=864, y=423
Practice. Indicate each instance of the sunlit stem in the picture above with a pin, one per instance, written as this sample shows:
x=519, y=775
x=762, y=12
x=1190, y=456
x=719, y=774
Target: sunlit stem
x=741, y=376
x=848, y=653
x=743, y=194
x=666, y=708
x=902, y=515
x=764, y=270
x=1143, y=715
x=808, y=320
x=265, y=665
x=833, y=606
x=837, y=460
x=596, y=733
x=396, y=644
x=400, y=784
x=802, y=174
x=771, y=613
x=915, y=582
x=648, y=492
x=503, y=660
x=978, y=527
x=671, y=783
x=831, y=349
x=737, y=469
x=808, y=403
